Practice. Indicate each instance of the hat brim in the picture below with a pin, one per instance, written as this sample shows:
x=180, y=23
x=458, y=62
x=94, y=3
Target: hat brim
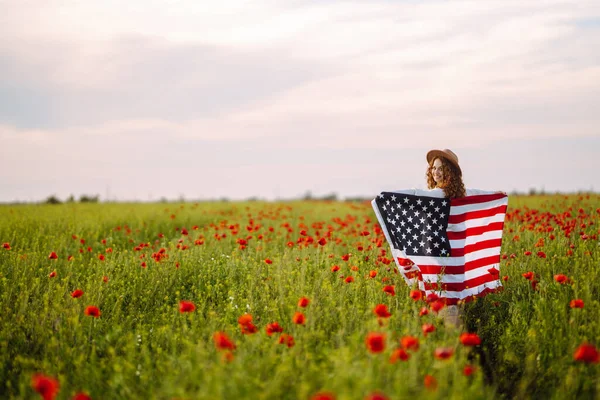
x=433, y=154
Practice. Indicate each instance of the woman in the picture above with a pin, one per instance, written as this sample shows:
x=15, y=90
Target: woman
x=444, y=180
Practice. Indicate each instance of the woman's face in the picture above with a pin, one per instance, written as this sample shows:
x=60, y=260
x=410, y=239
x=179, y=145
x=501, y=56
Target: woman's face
x=437, y=172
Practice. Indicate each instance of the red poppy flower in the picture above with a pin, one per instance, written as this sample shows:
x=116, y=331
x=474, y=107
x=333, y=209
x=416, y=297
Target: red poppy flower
x=223, y=342
x=376, y=396
x=389, y=289
x=541, y=254
x=248, y=328
x=81, y=396
x=53, y=256
x=432, y=297
x=505, y=278
x=375, y=342
x=529, y=275
x=399, y=354
x=443, y=353
x=527, y=253
x=6, y=246
x=105, y=279
x=52, y=274
x=186, y=306
x=76, y=293
x=323, y=396
x=494, y=272
x=437, y=305
x=303, y=302
x=576, y=303
x=410, y=343
x=268, y=261
x=299, y=318
x=273, y=328
x=92, y=311
x=470, y=339
x=416, y=295
x=468, y=370
x=322, y=241
x=372, y=273
x=428, y=328
x=560, y=278
x=424, y=311
x=286, y=339
x=349, y=279
x=587, y=353
x=346, y=257
x=381, y=310
x=245, y=319
x=46, y=386
x=430, y=382
x=335, y=268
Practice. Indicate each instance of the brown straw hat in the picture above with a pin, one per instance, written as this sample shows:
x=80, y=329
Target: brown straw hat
x=447, y=154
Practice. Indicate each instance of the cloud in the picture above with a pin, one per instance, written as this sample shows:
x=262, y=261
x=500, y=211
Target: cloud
x=284, y=90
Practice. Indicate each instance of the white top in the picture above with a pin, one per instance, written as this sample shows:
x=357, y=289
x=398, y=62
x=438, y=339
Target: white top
x=439, y=192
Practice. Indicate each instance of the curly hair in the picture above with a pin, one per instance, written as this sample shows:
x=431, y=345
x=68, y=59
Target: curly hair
x=453, y=185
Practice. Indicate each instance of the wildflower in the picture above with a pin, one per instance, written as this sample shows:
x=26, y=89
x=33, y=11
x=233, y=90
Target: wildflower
x=468, y=370
x=268, y=261
x=299, y=318
x=527, y=253
x=335, y=268
x=375, y=342
x=323, y=396
x=53, y=256
x=349, y=279
x=92, y=311
x=46, y=386
x=416, y=295
x=389, y=289
x=410, y=343
x=6, y=246
x=424, y=311
x=529, y=275
x=381, y=310
x=541, y=254
x=286, y=339
x=186, y=306
x=52, y=274
x=372, y=273
x=576, y=303
x=105, y=279
x=494, y=272
x=76, y=293
x=427, y=328
x=430, y=382
x=223, y=342
x=376, y=396
x=587, y=353
x=273, y=328
x=443, y=353
x=399, y=354
x=322, y=241
x=437, y=305
x=560, y=278
x=432, y=297
x=303, y=302
x=470, y=339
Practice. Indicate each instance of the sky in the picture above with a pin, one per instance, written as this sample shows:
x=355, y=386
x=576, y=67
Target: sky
x=143, y=100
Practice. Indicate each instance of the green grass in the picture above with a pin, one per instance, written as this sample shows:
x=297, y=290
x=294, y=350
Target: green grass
x=143, y=347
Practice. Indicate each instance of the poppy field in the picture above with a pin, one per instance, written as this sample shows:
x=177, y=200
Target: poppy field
x=294, y=300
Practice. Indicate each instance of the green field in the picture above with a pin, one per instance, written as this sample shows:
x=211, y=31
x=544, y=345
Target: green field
x=142, y=346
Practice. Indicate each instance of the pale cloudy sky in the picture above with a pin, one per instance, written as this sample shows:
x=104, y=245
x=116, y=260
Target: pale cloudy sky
x=204, y=99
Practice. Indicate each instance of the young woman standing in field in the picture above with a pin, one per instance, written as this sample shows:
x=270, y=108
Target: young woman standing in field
x=444, y=180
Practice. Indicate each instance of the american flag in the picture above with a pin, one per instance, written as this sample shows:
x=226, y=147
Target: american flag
x=451, y=247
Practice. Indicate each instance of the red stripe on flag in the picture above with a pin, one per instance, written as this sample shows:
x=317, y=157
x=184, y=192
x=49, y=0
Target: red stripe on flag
x=460, y=286
x=460, y=269
x=476, y=230
x=486, y=244
x=476, y=199
x=457, y=219
x=454, y=301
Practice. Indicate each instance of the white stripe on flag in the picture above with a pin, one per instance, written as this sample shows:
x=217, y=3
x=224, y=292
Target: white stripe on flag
x=458, y=210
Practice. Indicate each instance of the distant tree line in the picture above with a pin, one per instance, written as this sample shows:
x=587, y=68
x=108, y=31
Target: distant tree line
x=84, y=198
